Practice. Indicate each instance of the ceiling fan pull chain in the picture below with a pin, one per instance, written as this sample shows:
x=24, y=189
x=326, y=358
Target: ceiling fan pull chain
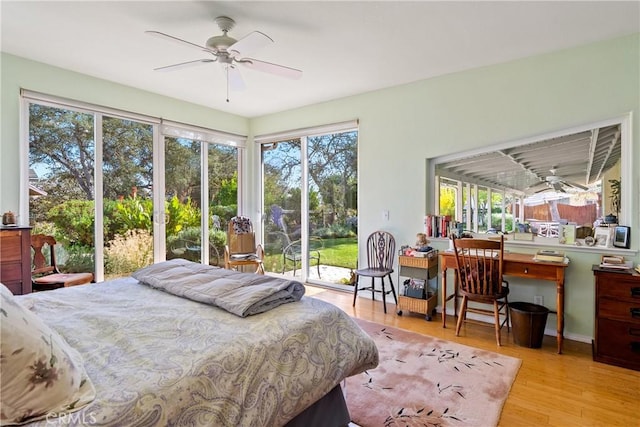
x=227, y=70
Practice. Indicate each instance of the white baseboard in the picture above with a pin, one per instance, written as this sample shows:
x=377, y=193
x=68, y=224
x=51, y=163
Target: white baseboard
x=547, y=331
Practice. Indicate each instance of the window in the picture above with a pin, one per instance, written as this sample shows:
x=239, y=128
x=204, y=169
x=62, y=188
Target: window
x=546, y=181
x=92, y=168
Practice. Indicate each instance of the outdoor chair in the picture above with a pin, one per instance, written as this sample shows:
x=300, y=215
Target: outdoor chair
x=45, y=274
x=241, y=249
x=381, y=248
x=479, y=276
x=292, y=252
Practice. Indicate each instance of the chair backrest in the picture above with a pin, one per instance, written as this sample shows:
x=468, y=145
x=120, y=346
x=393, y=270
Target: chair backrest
x=241, y=238
x=39, y=244
x=381, y=249
x=479, y=265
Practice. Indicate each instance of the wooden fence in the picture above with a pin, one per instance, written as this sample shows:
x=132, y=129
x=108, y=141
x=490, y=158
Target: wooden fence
x=581, y=215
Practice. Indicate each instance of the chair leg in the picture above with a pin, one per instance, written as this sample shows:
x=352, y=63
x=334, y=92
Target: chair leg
x=496, y=314
x=355, y=290
x=506, y=306
x=461, y=315
x=384, y=296
x=393, y=290
x=373, y=289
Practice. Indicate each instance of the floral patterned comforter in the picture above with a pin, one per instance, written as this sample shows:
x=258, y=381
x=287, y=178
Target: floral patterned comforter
x=156, y=359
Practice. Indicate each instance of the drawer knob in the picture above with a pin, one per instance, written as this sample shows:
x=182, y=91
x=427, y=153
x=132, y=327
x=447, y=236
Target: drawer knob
x=635, y=291
x=635, y=332
x=526, y=270
x=635, y=346
x=635, y=311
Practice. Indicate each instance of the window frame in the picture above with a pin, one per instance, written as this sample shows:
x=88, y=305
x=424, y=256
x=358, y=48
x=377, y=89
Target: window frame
x=161, y=128
x=627, y=200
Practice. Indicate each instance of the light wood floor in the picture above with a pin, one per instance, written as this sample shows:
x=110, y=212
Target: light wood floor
x=551, y=389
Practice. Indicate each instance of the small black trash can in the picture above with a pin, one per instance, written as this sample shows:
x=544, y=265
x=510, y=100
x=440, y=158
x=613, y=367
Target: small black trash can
x=528, y=322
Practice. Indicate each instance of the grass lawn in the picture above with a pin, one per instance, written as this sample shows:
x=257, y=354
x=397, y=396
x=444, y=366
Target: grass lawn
x=338, y=252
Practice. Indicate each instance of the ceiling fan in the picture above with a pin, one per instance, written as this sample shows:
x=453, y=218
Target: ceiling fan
x=230, y=53
x=558, y=183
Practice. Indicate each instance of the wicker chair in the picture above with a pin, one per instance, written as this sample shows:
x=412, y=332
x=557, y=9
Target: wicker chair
x=479, y=275
x=241, y=249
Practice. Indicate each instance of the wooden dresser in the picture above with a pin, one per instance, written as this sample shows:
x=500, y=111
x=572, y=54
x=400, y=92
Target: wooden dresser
x=617, y=323
x=15, y=259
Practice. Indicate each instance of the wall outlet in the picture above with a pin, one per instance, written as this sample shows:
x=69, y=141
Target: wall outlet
x=538, y=299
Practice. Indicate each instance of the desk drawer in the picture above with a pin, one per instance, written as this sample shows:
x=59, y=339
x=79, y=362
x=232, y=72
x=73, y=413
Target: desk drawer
x=618, y=343
x=535, y=271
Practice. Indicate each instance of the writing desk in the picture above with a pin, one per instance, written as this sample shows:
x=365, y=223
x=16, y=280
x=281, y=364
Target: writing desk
x=518, y=265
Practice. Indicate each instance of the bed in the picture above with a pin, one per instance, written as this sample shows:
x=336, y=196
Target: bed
x=154, y=358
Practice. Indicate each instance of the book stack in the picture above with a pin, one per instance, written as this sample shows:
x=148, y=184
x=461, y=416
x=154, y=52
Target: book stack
x=437, y=225
x=615, y=262
x=549, y=256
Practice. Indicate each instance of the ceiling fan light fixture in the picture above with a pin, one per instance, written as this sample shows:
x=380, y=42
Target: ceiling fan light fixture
x=220, y=43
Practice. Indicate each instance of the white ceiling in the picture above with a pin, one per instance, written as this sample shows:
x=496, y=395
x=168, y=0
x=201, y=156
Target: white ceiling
x=344, y=48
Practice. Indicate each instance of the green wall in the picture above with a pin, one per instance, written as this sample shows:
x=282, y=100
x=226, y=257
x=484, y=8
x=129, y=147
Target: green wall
x=400, y=128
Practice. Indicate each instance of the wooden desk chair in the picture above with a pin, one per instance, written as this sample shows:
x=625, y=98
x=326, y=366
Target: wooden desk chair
x=479, y=275
x=381, y=249
x=241, y=249
x=45, y=274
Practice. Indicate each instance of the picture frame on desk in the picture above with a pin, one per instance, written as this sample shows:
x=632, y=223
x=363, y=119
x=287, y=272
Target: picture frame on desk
x=603, y=237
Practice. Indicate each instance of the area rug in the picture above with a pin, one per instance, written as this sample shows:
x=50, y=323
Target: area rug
x=425, y=381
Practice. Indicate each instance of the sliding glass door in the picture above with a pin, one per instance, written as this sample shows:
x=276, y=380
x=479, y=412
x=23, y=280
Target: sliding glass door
x=127, y=183
x=61, y=182
x=120, y=192
x=194, y=216
x=309, y=188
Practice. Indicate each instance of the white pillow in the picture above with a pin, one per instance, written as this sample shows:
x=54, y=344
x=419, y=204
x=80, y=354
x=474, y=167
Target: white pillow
x=42, y=376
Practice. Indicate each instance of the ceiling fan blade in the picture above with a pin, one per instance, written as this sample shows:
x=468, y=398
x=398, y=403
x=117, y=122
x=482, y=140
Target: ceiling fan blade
x=576, y=185
x=184, y=65
x=249, y=44
x=558, y=187
x=236, y=82
x=279, y=70
x=179, y=41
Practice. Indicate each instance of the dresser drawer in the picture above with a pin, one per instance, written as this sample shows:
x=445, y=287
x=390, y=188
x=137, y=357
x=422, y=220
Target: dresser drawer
x=620, y=289
x=14, y=287
x=619, y=310
x=10, y=271
x=15, y=259
x=10, y=246
x=618, y=342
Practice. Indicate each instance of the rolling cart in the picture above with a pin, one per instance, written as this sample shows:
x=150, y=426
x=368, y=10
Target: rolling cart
x=423, y=268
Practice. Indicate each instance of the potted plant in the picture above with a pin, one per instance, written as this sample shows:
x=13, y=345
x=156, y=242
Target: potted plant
x=615, y=197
